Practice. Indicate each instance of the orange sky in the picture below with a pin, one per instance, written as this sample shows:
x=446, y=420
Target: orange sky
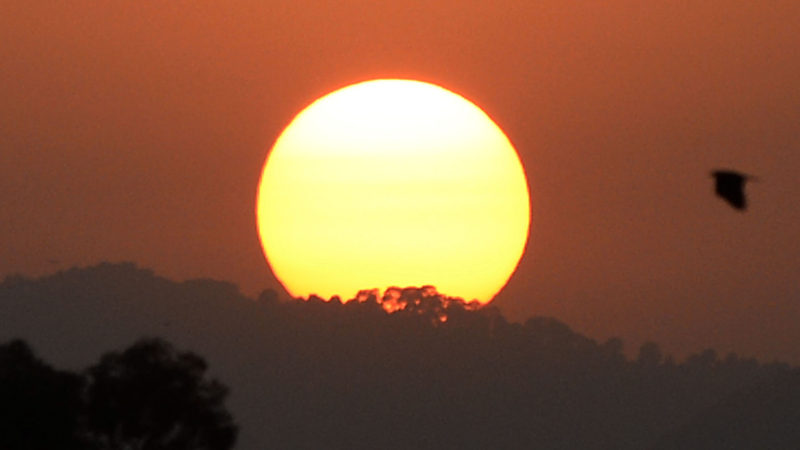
x=135, y=131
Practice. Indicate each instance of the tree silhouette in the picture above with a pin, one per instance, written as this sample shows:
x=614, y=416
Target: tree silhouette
x=39, y=406
x=151, y=397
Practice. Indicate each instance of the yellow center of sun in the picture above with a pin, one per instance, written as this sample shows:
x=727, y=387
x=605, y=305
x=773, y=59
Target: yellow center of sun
x=393, y=183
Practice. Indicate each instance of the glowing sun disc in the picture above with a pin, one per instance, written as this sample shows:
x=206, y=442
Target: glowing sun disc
x=393, y=183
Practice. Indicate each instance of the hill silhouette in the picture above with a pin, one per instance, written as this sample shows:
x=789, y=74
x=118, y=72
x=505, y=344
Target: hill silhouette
x=765, y=415
x=435, y=373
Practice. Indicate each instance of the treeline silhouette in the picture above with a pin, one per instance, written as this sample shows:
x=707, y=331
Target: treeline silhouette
x=413, y=368
x=146, y=397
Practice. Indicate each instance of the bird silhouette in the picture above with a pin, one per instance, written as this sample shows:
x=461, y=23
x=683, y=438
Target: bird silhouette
x=729, y=185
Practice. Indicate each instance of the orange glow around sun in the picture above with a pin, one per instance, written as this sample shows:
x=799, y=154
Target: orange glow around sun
x=393, y=183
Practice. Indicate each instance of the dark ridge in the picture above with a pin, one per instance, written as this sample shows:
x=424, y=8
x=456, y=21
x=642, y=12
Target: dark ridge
x=435, y=373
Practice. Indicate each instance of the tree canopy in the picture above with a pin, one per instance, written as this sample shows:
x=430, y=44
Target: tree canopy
x=147, y=397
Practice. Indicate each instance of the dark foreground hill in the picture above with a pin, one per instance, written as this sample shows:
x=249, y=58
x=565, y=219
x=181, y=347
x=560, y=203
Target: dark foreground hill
x=436, y=374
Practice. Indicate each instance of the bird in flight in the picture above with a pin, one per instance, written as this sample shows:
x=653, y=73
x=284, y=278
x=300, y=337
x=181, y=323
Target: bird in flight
x=729, y=185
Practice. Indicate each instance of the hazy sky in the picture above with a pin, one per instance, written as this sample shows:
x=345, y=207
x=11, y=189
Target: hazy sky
x=137, y=131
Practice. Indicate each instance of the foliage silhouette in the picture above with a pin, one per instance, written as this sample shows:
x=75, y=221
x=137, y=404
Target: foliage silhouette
x=39, y=406
x=152, y=397
x=147, y=397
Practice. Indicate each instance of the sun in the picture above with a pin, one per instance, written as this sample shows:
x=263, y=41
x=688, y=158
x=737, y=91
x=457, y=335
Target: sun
x=393, y=183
